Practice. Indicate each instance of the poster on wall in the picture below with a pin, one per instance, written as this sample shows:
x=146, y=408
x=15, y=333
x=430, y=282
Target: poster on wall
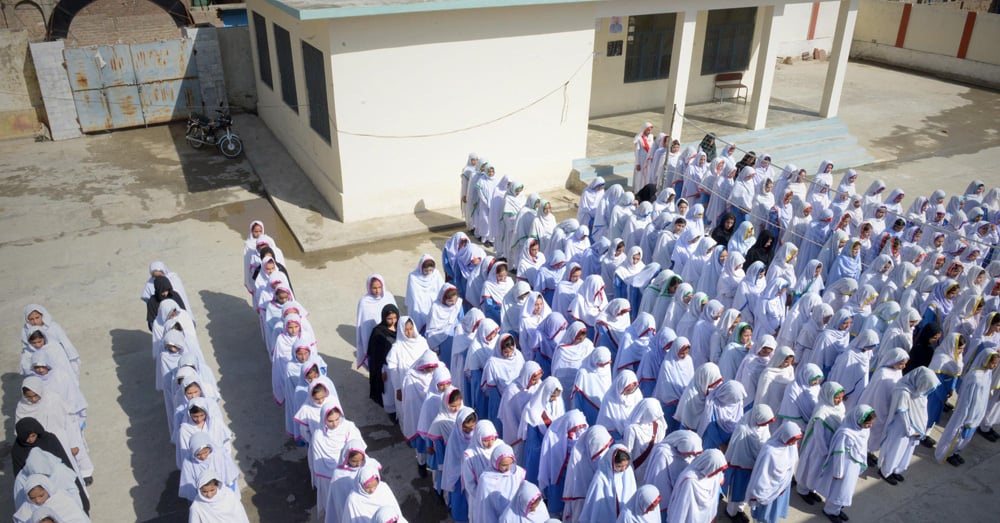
x=616, y=25
x=615, y=48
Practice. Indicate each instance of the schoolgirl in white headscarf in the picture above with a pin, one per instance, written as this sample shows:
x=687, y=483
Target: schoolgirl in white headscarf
x=545, y=406
x=769, y=308
x=526, y=507
x=370, y=494
x=878, y=393
x=581, y=467
x=497, y=485
x=695, y=496
x=223, y=505
x=730, y=278
x=592, y=383
x=973, y=399
x=769, y=488
x=674, y=372
x=750, y=287
x=906, y=424
x=619, y=402
x=687, y=321
x=422, y=287
x=613, y=329
x=723, y=411
x=476, y=460
x=590, y=301
x=699, y=259
x=646, y=428
x=611, y=488
x=460, y=441
x=500, y=372
x=741, y=455
x=590, y=199
x=775, y=378
x=823, y=423
x=353, y=458
x=830, y=342
x=532, y=314
x=846, y=461
x=557, y=448
x=723, y=334
x=570, y=354
x=703, y=331
x=801, y=395
x=369, y=314
x=567, y=289
x=668, y=459
x=677, y=306
x=691, y=405
x=409, y=346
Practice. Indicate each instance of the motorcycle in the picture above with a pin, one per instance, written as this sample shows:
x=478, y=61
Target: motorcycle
x=202, y=130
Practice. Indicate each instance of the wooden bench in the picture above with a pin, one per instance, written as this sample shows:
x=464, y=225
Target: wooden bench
x=730, y=81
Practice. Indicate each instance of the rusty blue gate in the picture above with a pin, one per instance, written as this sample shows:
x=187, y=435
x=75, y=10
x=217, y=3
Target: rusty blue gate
x=130, y=85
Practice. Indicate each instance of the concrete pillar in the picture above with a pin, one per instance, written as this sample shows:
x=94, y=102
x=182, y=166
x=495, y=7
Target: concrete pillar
x=839, y=53
x=680, y=72
x=760, y=98
x=56, y=92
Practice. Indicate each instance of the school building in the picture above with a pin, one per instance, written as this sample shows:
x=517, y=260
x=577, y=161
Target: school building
x=380, y=102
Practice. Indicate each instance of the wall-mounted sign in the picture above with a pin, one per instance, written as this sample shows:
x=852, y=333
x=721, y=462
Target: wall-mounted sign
x=616, y=25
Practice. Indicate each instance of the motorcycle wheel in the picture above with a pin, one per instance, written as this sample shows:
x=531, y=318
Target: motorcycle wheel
x=231, y=146
x=193, y=137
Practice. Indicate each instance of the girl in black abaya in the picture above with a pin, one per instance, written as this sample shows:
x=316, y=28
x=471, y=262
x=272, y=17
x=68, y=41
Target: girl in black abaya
x=32, y=435
x=381, y=340
x=162, y=290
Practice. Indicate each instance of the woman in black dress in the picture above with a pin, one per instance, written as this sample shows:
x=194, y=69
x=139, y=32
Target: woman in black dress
x=379, y=344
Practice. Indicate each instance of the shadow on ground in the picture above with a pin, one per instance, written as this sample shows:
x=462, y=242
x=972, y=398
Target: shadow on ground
x=152, y=454
x=276, y=471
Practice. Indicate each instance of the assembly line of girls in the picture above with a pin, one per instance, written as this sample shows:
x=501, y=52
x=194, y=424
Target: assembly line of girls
x=618, y=365
x=52, y=466
x=347, y=480
x=203, y=443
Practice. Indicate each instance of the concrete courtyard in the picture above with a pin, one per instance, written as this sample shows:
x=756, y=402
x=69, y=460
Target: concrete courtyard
x=82, y=219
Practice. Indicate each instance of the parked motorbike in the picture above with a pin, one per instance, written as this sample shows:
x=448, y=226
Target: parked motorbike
x=202, y=130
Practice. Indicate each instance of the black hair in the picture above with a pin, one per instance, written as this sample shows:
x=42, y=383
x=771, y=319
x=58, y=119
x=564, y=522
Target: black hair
x=471, y=417
x=197, y=410
x=36, y=335
x=621, y=456
x=455, y=395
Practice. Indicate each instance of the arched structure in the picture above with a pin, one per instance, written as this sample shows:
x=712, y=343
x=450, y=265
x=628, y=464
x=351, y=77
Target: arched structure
x=65, y=10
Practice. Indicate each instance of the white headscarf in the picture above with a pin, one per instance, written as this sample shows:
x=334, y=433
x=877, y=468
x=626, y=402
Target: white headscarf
x=696, y=493
x=617, y=407
x=360, y=505
x=692, y=403
x=772, y=472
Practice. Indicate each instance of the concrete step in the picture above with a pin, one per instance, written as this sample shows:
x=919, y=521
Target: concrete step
x=804, y=144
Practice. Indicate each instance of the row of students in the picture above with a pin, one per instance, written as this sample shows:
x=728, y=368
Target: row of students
x=52, y=465
x=202, y=441
x=347, y=480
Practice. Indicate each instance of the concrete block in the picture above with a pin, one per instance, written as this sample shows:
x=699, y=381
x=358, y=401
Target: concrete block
x=56, y=92
x=819, y=54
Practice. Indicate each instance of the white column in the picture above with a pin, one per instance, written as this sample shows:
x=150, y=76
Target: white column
x=680, y=71
x=839, y=53
x=760, y=97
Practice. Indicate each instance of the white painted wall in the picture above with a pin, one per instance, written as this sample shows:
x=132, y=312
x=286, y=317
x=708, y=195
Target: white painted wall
x=932, y=40
x=318, y=159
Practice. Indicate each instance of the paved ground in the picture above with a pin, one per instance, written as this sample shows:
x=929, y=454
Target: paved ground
x=81, y=220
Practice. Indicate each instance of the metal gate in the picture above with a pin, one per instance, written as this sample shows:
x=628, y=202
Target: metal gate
x=129, y=85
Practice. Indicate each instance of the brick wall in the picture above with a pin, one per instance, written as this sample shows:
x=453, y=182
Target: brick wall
x=121, y=21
